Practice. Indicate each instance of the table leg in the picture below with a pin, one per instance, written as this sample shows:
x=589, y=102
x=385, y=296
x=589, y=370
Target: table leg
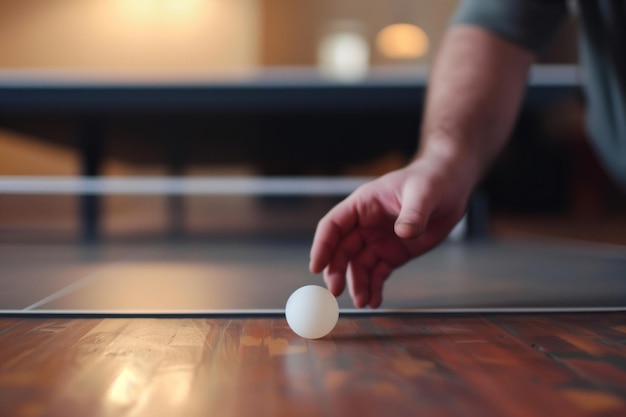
x=478, y=216
x=91, y=138
x=176, y=160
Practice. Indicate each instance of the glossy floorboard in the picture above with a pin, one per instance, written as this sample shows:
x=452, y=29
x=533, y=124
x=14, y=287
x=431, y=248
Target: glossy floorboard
x=483, y=365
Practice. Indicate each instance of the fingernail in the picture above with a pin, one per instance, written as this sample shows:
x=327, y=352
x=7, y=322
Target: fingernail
x=408, y=228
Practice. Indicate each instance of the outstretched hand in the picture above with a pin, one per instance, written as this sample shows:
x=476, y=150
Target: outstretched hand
x=384, y=224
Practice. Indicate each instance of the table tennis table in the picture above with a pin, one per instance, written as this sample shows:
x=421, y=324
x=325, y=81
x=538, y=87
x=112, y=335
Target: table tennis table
x=252, y=117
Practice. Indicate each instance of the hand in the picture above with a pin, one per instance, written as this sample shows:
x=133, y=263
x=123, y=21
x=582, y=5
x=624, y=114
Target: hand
x=384, y=224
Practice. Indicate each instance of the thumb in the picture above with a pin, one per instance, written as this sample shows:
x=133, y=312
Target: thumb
x=415, y=211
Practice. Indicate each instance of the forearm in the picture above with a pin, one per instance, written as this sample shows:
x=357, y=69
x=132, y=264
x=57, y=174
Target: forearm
x=474, y=94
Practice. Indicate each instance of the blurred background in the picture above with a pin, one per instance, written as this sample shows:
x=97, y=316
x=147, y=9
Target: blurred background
x=547, y=182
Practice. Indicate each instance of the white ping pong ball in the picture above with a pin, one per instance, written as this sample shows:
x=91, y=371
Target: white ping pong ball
x=312, y=311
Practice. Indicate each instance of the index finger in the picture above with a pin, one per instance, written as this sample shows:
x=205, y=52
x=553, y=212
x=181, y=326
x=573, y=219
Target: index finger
x=336, y=224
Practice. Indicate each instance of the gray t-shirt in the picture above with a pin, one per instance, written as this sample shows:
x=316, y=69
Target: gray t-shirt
x=532, y=24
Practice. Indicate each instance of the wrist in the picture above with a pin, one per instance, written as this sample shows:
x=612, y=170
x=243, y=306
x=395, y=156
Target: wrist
x=451, y=158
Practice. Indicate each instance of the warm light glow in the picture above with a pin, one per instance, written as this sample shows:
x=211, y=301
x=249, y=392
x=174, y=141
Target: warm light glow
x=343, y=53
x=402, y=41
x=180, y=7
x=146, y=10
x=132, y=36
x=162, y=13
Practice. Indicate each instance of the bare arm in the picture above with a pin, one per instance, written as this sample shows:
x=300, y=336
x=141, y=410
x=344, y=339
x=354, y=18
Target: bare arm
x=474, y=93
x=475, y=90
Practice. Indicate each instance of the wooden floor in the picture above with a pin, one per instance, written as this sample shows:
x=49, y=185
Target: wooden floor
x=428, y=365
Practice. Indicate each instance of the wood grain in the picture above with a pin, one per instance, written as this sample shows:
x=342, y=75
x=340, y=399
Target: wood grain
x=439, y=365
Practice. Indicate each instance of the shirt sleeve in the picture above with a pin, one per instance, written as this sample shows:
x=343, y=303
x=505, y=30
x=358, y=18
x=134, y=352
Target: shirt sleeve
x=528, y=23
